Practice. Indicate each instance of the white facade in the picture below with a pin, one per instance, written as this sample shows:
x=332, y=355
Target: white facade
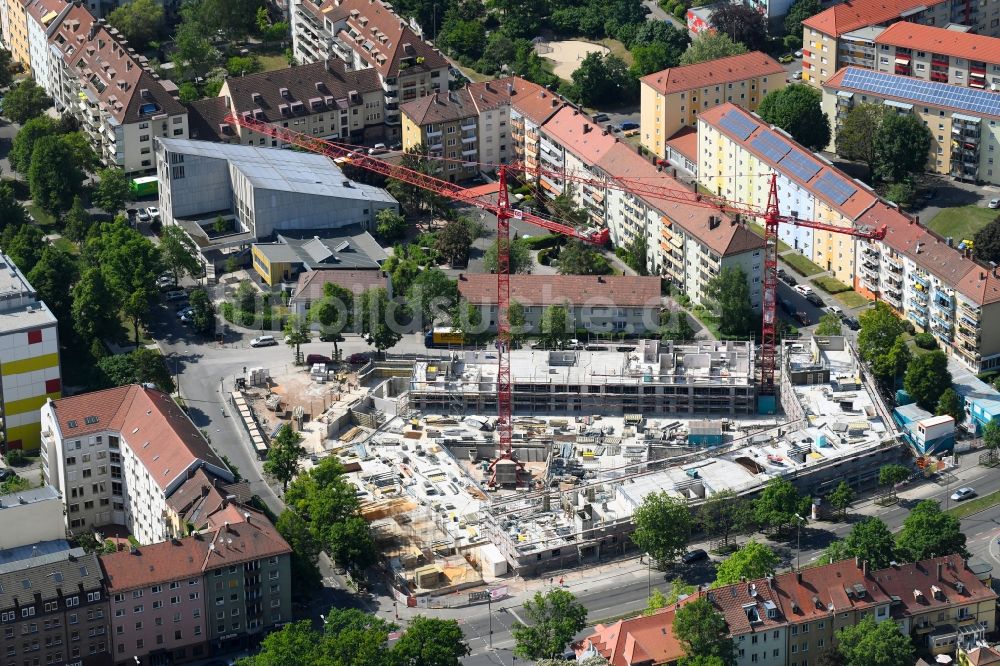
x=766, y=647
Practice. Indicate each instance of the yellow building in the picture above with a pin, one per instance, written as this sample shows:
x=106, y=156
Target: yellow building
x=29, y=359
x=672, y=99
x=446, y=124
x=17, y=17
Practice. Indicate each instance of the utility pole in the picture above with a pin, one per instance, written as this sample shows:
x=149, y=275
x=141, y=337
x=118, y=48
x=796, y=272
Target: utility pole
x=798, y=542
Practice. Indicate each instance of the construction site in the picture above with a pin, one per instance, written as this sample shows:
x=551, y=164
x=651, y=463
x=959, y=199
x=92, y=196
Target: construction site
x=593, y=433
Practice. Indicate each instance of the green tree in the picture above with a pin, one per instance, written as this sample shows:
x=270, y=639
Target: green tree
x=889, y=367
x=796, y=109
x=578, y=258
x=868, y=643
x=929, y=532
x=723, y=514
x=92, y=318
x=235, y=18
x=729, y=296
x=334, y=313
x=551, y=620
x=742, y=24
x=753, y=560
x=53, y=179
x=6, y=70
x=710, y=45
x=829, y=324
x=890, y=475
x=455, y=240
x=284, y=456
x=601, y=79
x=305, y=552
x=872, y=541
x=520, y=257
x=701, y=660
x=140, y=366
x=778, y=504
x=879, y=329
x=188, y=92
x=76, y=222
x=950, y=403
x=78, y=149
x=902, y=145
x=202, y=311
x=390, y=225
x=841, y=498
x=656, y=601
x=23, y=144
x=986, y=247
x=24, y=101
x=856, y=139
x=901, y=193
x=702, y=631
x=431, y=642
x=555, y=326
x=179, y=253
x=297, y=333
x=662, y=526
x=636, y=253
x=194, y=54
x=24, y=245
x=243, y=65
x=517, y=321
x=12, y=213
x=927, y=377
x=797, y=13
x=140, y=21
x=991, y=435
x=112, y=190
x=468, y=319
x=52, y=277
x=378, y=322
x=434, y=295
x=837, y=551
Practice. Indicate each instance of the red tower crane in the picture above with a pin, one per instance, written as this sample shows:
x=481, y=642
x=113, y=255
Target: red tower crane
x=504, y=213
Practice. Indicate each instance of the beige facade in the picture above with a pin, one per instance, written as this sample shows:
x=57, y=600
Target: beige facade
x=17, y=22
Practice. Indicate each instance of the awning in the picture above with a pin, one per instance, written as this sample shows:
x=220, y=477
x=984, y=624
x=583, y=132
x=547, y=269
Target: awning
x=902, y=61
x=965, y=118
x=845, y=94
x=899, y=105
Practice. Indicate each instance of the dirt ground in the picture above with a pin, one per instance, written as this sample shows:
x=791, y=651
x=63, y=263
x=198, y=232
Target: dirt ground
x=567, y=55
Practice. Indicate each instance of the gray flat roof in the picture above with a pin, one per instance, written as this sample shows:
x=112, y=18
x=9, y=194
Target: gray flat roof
x=284, y=170
x=29, y=496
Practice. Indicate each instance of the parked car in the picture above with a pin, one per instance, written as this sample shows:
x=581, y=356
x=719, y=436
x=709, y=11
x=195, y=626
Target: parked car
x=797, y=76
x=798, y=54
x=789, y=280
x=186, y=312
x=358, y=358
x=994, y=203
x=692, y=556
x=6, y=473
x=165, y=281
x=175, y=295
x=833, y=309
x=143, y=215
x=852, y=323
x=187, y=317
x=786, y=306
x=627, y=125
x=802, y=318
x=803, y=289
x=782, y=273
x=963, y=493
x=263, y=341
x=601, y=118
x=815, y=300
x=153, y=212
x=313, y=359
x=785, y=59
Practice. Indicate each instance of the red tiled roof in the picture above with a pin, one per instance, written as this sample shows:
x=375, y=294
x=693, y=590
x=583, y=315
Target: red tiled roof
x=905, y=580
x=942, y=41
x=812, y=592
x=621, y=290
x=579, y=134
x=852, y=208
x=537, y=105
x=855, y=14
x=383, y=31
x=983, y=656
x=685, y=142
x=310, y=284
x=442, y=107
x=724, y=239
x=39, y=9
x=713, y=72
x=247, y=536
x=638, y=640
x=160, y=434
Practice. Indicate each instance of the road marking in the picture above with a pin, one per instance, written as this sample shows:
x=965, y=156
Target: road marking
x=516, y=616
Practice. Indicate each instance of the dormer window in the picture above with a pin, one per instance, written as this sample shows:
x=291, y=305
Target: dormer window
x=753, y=615
x=284, y=92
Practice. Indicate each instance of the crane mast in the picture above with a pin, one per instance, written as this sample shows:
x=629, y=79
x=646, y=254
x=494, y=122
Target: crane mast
x=771, y=217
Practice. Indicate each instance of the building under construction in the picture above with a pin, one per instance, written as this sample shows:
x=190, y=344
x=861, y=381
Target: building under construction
x=707, y=377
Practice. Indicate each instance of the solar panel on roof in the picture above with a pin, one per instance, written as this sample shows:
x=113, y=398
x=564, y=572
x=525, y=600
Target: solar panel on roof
x=768, y=144
x=737, y=124
x=834, y=188
x=799, y=165
x=927, y=92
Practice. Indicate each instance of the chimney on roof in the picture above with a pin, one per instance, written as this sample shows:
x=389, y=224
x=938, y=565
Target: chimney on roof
x=857, y=561
x=940, y=568
x=586, y=128
x=864, y=568
x=461, y=277
x=798, y=577
x=402, y=24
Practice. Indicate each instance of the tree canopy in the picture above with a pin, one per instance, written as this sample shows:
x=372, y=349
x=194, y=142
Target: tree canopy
x=729, y=295
x=378, y=318
x=112, y=190
x=140, y=21
x=520, y=257
x=602, y=79
x=551, y=621
x=753, y=560
x=868, y=643
x=929, y=532
x=927, y=377
x=710, y=45
x=829, y=324
x=742, y=24
x=725, y=513
x=662, y=526
x=54, y=177
x=24, y=101
x=986, y=241
x=950, y=404
x=796, y=109
x=778, y=504
x=872, y=541
x=140, y=366
x=284, y=456
x=579, y=258
x=703, y=632
x=799, y=12
x=902, y=145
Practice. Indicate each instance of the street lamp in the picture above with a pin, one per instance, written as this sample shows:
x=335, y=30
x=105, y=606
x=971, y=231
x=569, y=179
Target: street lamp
x=798, y=542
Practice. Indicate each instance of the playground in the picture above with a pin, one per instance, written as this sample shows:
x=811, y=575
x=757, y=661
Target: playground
x=567, y=55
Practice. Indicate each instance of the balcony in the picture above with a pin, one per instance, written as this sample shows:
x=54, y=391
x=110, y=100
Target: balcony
x=436, y=146
x=468, y=124
x=915, y=305
x=917, y=319
x=469, y=139
x=967, y=335
x=922, y=280
x=870, y=284
x=468, y=152
x=433, y=134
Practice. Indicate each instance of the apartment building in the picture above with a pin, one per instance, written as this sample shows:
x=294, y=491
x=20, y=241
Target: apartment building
x=933, y=284
x=190, y=597
x=599, y=303
x=739, y=152
x=16, y=33
x=447, y=125
x=64, y=37
x=324, y=99
x=121, y=103
x=672, y=99
x=29, y=359
x=37, y=513
x=939, y=54
x=53, y=608
x=42, y=18
x=527, y=115
x=118, y=455
x=368, y=34
x=843, y=32
x=965, y=139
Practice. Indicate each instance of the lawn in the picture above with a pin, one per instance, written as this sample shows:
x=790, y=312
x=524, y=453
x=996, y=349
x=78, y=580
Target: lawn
x=273, y=62
x=40, y=215
x=617, y=48
x=961, y=223
x=975, y=505
x=759, y=230
x=708, y=321
x=66, y=245
x=830, y=285
x=801, y=264
x=852, y=299
x=129, y=333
